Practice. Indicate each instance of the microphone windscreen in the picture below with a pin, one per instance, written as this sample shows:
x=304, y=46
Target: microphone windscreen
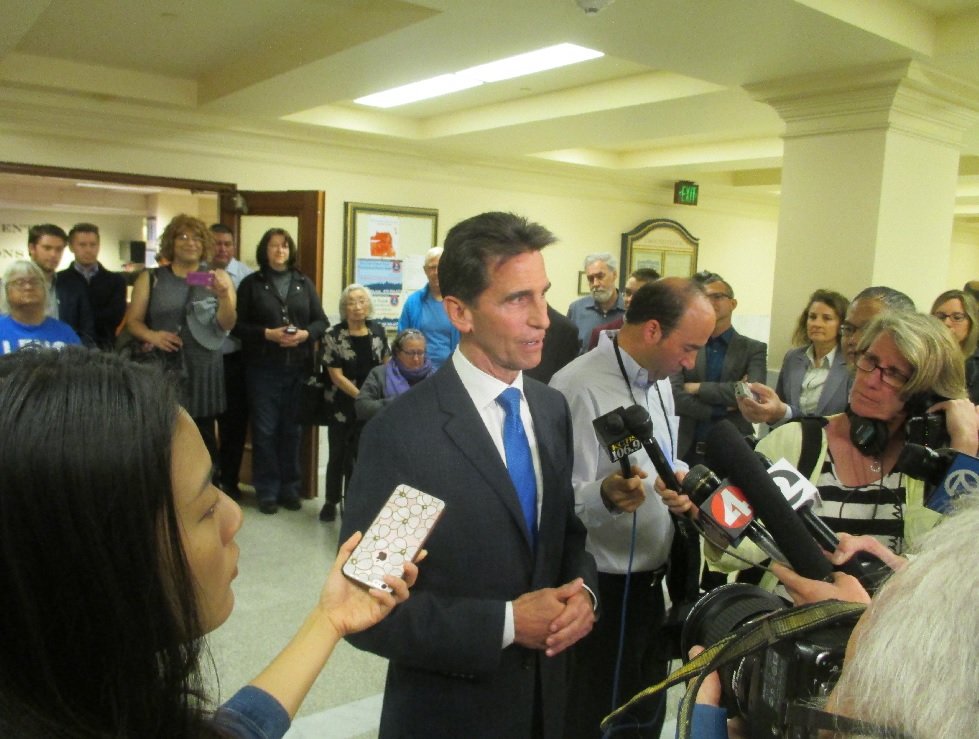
x=731, y=453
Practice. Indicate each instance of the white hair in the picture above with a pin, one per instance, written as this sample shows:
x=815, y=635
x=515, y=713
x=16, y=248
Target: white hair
x=20, y=268
x=435, y=251
x=602, y=257
x=913, y=667
x=346, y=292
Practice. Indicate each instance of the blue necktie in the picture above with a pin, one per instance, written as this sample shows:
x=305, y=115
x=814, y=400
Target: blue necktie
x=519, y=463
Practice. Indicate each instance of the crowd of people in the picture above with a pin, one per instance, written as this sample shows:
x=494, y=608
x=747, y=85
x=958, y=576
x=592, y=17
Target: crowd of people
x=542, y=530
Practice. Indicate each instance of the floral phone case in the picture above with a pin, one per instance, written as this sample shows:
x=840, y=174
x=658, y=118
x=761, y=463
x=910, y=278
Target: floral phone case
x=396, y=536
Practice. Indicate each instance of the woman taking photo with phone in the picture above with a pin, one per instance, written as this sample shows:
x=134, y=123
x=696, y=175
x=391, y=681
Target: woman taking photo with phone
x=181, y=313
x=105, y=621
x=280, y=318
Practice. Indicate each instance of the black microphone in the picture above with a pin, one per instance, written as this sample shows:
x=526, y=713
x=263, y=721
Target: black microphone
x=745, y=470
x=637, y=420
x=618, y=441
x=800, y=494
x=725, y=513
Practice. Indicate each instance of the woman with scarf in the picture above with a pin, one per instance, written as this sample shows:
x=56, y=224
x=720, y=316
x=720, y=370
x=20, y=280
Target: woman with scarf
x=408, y=367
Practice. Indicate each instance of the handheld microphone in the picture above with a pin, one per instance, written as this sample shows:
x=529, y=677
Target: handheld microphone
x=725, y=513
x=618, y=441
x=952, y=473
x=637, y=420
x=746, y=471
x=801, y=495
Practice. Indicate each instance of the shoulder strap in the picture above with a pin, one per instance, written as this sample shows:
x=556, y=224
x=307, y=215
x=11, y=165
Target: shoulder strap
x=812, y=444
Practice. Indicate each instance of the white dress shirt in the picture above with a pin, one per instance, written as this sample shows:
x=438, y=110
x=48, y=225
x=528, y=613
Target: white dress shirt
x=593, y=385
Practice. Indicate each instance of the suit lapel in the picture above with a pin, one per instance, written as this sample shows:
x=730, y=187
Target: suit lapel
x=837, y=375
x=466, y=430
x=732, y=359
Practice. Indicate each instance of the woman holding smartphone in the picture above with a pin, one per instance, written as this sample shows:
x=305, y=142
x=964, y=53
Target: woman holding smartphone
x=106, y=622
x=280, y=318
x=181, y=313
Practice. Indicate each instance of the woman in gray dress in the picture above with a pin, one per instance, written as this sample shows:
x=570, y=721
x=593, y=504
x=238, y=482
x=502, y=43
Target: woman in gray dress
x=182, y=312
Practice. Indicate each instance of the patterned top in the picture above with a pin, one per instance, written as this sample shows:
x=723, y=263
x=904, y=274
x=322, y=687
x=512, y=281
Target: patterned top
x=339, y=351
x=876, y=509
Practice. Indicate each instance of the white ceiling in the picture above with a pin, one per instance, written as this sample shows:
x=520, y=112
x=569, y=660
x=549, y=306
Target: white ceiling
x=666, y=102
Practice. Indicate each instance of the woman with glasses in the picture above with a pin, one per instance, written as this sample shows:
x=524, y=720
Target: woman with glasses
x=958, y=311
x=814, y=380
x=24, y=298
x=351, y=349
x=408, y=367
x=280, y=318
x=902, y=361
x=181, y=313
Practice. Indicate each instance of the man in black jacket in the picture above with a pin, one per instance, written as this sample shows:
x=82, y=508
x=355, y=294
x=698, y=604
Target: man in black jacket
x=67, y=299
x=106, y=290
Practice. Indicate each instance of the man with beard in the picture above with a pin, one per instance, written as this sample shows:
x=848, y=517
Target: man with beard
x=605, y=303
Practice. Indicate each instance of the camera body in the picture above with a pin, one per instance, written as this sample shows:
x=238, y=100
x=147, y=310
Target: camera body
x=761, y=685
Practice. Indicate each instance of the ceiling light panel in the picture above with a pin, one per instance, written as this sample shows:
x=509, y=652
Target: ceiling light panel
x=532, y=62
x=552, y=57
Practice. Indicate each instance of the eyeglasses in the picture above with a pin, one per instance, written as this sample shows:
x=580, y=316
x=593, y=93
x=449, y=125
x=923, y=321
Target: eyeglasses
x=848, y=329
x=889, y=375
x=956, y=317
x=718, y=296
x=187, y=237
x=414, y=353
x=355, y=302
x=25, y=282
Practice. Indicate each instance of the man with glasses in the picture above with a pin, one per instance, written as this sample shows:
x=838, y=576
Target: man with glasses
x=67, y=300
x=704, y=394
x=424, y=310
x=604, y=304
x=25, y=297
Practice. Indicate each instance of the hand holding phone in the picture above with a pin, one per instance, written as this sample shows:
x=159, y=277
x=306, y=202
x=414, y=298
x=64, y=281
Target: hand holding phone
x=743, y=390
x=395, y=537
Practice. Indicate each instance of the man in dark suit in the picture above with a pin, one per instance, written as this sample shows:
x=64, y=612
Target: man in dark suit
x=67, y=300
x=560, y=347
x=106, y=290
x=478, y=650
x=705, y=394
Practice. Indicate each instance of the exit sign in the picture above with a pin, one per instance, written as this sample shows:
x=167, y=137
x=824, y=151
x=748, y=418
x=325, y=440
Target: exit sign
x=685, y=193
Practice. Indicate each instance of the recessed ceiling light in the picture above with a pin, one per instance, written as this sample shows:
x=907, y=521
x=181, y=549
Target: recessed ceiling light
x=551, y=57
x=533, y=61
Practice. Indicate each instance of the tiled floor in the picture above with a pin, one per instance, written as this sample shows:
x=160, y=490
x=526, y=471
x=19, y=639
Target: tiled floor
x=284, y=561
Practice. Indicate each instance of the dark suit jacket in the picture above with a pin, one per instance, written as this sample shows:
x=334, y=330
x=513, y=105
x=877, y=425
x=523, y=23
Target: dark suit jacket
x=836, y=391
x=448, y=675
x=560, y=347
x=107, y=300
x=74, y=307
x=744, y=357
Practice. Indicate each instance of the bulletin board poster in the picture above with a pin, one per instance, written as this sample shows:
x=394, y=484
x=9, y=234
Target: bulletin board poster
x=384, y=250
x=385, y=279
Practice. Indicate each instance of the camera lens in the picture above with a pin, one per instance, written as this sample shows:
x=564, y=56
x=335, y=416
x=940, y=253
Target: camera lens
x=723, y=610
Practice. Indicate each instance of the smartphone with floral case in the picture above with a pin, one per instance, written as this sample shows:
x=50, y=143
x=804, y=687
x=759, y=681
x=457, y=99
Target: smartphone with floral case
x=396, y=536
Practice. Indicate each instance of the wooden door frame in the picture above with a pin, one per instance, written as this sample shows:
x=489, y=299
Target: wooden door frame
x=308, y=207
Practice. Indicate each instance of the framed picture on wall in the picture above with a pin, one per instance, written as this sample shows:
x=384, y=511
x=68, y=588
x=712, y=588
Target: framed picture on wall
x=384, y=249
x=583, y=288
x=659, y=244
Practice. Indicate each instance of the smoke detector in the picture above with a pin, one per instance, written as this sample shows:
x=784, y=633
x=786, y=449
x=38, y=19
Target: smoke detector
x=593, y=7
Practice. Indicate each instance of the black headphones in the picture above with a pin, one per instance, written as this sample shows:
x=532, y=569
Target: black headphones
x=870, y=435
